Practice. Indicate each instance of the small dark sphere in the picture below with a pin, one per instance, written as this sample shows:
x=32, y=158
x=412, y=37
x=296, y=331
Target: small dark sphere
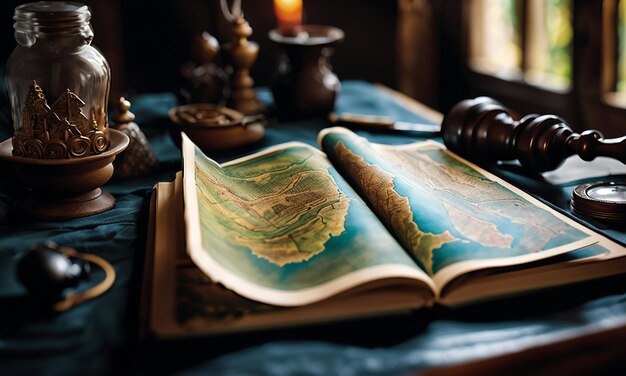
x=46, y=272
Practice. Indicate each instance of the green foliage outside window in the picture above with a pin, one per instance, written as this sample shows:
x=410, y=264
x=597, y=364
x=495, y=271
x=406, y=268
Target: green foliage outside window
x=558, y=23
x=621, y=35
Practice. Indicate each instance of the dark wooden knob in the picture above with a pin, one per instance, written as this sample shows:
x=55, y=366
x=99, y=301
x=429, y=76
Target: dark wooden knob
x=482, y=130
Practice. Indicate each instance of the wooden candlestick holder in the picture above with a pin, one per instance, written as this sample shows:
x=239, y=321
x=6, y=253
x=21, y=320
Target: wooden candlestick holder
x=482, y=130
x=242, y=54
x=66, y=188
x=305, y=85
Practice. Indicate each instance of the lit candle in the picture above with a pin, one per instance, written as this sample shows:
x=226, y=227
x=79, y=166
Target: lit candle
x=289, y=15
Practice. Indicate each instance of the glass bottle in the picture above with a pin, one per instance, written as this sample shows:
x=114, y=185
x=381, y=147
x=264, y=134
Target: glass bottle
x=58, y=83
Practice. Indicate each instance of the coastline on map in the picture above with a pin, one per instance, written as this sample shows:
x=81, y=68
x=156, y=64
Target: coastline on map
x=446, y=195
x=328, y=239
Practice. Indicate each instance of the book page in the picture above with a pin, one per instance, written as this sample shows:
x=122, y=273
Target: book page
x=183, y=301
x=283, y=227
x=601, y=259
x=451, y=216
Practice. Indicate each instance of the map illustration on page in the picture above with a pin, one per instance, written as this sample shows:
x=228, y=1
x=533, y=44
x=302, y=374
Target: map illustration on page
x=445, y=211
x=294, y=225
x=287, y=220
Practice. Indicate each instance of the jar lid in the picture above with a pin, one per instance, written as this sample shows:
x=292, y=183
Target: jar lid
x=52, y=17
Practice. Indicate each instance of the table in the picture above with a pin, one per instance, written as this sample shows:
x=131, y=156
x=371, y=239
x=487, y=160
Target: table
x=100, y=336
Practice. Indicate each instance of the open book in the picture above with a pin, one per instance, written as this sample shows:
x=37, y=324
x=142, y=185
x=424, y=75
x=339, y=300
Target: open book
x=295, y=234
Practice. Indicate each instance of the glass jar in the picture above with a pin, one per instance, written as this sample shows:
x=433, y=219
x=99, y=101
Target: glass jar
x=58, y=83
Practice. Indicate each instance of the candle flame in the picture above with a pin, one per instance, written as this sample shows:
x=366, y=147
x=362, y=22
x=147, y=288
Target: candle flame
x=288, y=13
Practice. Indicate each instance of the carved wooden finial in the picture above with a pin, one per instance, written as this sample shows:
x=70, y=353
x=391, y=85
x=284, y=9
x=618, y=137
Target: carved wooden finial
x=123, y=115
x=139, y=158
x=205, y=48
x=242, y=54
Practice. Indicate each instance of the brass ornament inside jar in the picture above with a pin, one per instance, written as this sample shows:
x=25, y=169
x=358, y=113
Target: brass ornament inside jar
x=58, y=83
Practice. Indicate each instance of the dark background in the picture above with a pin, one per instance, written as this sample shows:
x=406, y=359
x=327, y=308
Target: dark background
x=146, y=41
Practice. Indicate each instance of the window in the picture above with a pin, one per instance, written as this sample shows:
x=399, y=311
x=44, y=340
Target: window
x=615, y=17
x=562, y=57
x=528, y=41
x=549, y=42
x=621, y=33
x=495, y=42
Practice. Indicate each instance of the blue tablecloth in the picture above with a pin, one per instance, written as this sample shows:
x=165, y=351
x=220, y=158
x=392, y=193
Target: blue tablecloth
x=100, y=336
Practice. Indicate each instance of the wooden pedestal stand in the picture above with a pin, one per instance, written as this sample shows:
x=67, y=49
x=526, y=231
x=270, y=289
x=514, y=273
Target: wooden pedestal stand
x=66, y=188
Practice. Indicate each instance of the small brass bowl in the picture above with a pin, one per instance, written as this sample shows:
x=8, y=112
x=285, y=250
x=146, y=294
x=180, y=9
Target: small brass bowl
x=213, y=127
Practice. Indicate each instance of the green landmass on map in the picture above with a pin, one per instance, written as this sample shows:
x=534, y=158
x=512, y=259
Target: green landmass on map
x=393, y=209
x=442, y=210
x=283, y=212
x=285, y=219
